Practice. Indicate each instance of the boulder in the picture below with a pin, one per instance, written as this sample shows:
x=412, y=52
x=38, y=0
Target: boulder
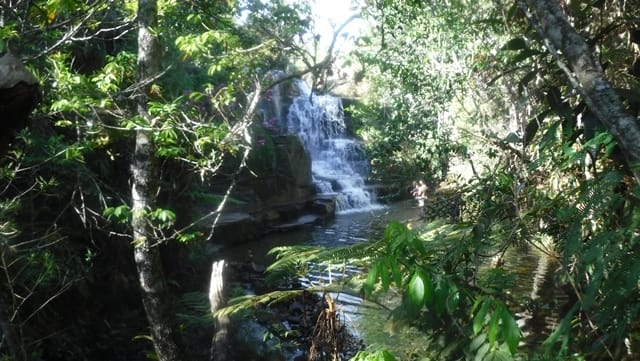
x=275, y=193
x=19, y=94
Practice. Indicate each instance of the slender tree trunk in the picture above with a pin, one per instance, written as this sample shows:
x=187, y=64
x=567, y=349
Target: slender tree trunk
x=219, y=342
x=11, y=334
x=155, y=295
x=586, y=73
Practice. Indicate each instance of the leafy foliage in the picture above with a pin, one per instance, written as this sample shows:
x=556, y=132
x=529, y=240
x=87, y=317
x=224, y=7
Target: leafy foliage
x=467, y=85
x=436, y=296
x=64, y=185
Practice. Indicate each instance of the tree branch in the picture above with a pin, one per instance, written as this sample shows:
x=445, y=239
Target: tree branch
x=586, y=74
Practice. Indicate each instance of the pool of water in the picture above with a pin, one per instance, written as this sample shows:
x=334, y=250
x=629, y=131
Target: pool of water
x=533, y=273
x=345, y=229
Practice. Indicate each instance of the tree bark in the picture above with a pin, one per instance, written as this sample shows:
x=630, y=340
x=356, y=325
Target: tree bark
x=216, y=300
x=586, y=73
x=155, y=295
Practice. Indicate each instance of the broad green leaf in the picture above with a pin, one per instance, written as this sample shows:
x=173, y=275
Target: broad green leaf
x=510, y=330
x=63, y=123
x=165, y=216
x=493, y=327
x=498, y=355
x=522, y=55
x=478, y=320
x=418, y=289
x=478, y=341
x=189, y=236
x=524, y=81
x=385, y=267
x=395, y=270
x=453, y=298
x=121, y=214
x=441, y=293
x=372, y=277
x=482, y=352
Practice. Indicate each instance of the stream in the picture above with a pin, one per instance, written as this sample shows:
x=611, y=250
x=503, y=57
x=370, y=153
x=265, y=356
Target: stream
x=532, y=269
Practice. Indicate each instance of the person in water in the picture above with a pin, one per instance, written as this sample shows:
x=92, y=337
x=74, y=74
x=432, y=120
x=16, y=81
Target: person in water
x=420, y=193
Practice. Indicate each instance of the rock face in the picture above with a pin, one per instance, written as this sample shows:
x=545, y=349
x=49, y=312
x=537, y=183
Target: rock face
x=288, y=182
x=19, y=94
x=276, y=193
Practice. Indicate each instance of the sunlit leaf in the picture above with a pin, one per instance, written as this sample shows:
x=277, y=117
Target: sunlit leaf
x=416, y=290
x=510, y=330
x=479, y=318
x=372, y=277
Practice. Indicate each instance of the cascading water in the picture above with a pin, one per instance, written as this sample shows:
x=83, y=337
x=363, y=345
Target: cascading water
x=336, y=160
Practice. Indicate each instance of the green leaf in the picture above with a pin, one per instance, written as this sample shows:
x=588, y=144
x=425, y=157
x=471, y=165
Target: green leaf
x=190, y=236
x=453, y=298
x=165, y=216
x=482, y=352
x=372, y=277
x=418, y=289
x=381, y=355
x=525, y=80
x=510, y=330
x=385, y=355
x=498, y=355
x=477, y=342
x=478, y=320
x=121, y=214
x=385, y=266
x=440, y=296
x=493, y=327
x=395, y=270
x=63, y=123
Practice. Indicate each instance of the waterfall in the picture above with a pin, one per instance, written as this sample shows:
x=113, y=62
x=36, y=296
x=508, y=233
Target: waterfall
x=337, y=162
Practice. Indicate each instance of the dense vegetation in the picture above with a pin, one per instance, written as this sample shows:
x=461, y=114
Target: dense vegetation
x=536, y=98
x=528, y=109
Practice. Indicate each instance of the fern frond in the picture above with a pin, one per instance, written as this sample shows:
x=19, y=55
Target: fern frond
x=248, y=302
x=289, y=257
x=194, y=310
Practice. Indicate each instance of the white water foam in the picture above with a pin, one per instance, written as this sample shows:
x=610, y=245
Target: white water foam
x=336, y=159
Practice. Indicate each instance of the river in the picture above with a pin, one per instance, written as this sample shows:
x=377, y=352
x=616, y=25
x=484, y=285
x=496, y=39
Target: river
x=345, y=229
x=533, y=272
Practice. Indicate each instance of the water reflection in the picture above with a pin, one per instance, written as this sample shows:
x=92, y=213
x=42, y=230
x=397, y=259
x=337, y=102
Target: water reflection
x=345, y=229
x=531, y=268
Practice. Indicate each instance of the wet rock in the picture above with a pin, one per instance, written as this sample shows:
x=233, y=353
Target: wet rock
x=248, y=337
x=325, y=204
x=302, y=221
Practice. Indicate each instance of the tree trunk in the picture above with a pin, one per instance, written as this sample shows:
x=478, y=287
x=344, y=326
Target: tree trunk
x=155, y=295
x=587, y=75
x=11, y=334
x=216, y=300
